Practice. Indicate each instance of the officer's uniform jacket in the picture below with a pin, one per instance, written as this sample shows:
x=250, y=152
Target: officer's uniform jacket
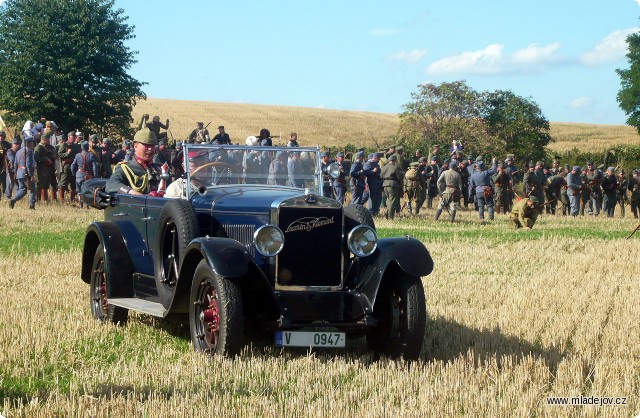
x=25, y=162
x=119, y=183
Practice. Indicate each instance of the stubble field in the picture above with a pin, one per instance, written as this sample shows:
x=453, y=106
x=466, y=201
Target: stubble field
x=514, y=317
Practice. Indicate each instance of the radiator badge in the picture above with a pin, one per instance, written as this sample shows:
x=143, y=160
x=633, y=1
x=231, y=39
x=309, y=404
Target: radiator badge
x=307, y=224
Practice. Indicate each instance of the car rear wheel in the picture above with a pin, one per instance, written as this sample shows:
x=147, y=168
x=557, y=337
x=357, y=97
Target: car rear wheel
x=400, y=310
x=215, y=313
x=100, y=307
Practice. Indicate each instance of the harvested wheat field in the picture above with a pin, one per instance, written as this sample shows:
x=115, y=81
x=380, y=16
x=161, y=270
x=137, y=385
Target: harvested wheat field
x=514, y=318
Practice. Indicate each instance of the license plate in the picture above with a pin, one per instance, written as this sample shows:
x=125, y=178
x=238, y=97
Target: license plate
x=310, y=339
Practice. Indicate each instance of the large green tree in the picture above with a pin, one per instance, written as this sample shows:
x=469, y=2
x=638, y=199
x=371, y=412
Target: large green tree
x=495, y=123
x=66, y=60
x=629, y=94
x=516, y=125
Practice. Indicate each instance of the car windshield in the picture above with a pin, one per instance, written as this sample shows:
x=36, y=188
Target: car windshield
x=216, y=165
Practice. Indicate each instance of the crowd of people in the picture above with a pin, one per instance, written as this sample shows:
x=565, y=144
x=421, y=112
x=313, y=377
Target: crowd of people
x=48, y=165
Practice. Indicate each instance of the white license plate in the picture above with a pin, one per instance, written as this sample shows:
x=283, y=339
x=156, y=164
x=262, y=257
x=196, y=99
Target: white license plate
x=310, y=339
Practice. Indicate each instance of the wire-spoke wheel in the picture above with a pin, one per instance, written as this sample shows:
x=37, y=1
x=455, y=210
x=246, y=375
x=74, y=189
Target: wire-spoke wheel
x=100, y=307
x=215, y=313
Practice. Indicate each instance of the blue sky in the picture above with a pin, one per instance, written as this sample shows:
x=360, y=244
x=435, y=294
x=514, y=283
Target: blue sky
x=371, y=55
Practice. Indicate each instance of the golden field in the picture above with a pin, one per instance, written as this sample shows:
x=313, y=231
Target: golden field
x=514, y=317
x=336, y=128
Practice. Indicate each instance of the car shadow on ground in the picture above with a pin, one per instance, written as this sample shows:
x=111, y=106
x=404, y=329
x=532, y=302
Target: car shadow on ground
x=447, y=340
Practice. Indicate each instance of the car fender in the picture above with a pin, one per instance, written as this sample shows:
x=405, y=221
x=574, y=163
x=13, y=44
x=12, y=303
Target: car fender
x=228, y=258
x=119, y=268
x=408, y=254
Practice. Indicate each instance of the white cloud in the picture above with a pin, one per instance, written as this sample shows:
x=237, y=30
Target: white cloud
x=581, y=102
x=492, y=60
x=384, y=32
x=410, y=57
x=611, y=49
x=637, y=1
x=485, y=61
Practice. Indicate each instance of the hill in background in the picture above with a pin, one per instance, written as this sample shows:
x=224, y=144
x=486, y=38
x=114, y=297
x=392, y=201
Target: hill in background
x=328, y=127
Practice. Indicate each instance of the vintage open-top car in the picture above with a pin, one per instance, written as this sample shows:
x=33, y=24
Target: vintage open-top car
x=249, y=249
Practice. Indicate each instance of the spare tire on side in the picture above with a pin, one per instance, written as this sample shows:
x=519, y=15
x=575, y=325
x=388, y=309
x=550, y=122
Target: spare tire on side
x=177, y=227
x=355, y=215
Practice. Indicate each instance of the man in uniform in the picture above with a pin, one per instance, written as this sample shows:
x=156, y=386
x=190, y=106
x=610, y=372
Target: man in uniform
x=154, y=126
x=4, y=147
x=340, y=182
x=392, y=177
x=96, y=150
x=609, y=187
x=564, y=197
x=555, y=184
x=634, y=188
x=325, y=162
x=44, y=155
x=163, y=155
x=358, y=180
x=199, y=135
x=84, y=167
x=373, y=171
x=417, y=156
x=12, y=167
x=122, y=152
x=222, y=137
x=502, y=187
x=411, y=185
x=422, y=184
x=435, y=156
x=432, y=174
x=464, y=174
x=451, y=182
x=295, y=169
x=574, y=190
x=25, y=172
x=106, y=158
x=621, y=191
x=140, y=175
x=542, y=184
x=594, y=177
x=525, y=213
x=481, y=182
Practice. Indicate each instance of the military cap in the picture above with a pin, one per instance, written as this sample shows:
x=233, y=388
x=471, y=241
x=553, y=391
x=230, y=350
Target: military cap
x=453, y=164
x=16, y=140
x=84, y=145
x=567, y=166
x=399, y=148
x=162, y=142
x=469, y=157
x=576, y=168
x=501, y=164
x=95, y=140
x=46, y=135
x=531, y=164
x=29, y=140
x=414, y=164
x=71, y=134
x=539, y=163
x=127, y=142
x=340, y=154
x=534, y=199
x=393, y=157
x=199, y=123
x=445, y=162
x=584, y=168
x=612, y=169
x=370, y=156
x=636, y=171
x=379, y=154
x=3, y=133
x=556, y=162
x=281, y=154
x=220, y=127
x=423, y=159
x=480, y=165
x=509, y=158
x=360, y=154
x=80, y=134
x=106, y=140
x=600, y=167
x=324, y=154
x=391, y=146
x=589, y=162
x=360, y=149
x=145, y=136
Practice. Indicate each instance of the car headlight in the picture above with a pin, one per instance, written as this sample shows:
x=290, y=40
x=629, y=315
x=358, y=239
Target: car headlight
x=333, y=170
x=268, y=240
x=362, y=240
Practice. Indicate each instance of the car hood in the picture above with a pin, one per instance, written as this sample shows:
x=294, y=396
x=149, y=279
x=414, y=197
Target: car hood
x=247, y=199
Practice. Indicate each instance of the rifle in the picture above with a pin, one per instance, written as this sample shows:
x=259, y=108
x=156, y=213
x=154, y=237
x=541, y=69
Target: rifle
x=634, y=231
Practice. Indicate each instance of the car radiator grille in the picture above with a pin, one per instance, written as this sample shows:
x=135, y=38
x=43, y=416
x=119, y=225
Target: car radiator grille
x=312, y=253
x=243, y=234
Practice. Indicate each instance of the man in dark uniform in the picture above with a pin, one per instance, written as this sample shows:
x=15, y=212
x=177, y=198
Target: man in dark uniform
x=574, y=190
x=435, y=156
x=84, y=167
x=45, y=156
x=163, y=155
x=154, y=126
x=222, y=137
x=481, y=182
x=422, y=183
x=564, y=197
x=609, y=188
x=199, y=135
x=634, y=188
x=373, y=172
x=358, y=180
x=11, y=166
x=138, y=176
x=392, y=177
x=67, y=152
x=542, y=184
x=502, y=187
x=25, y=174
x=325, y=162
x=621, y=191
x=106, y=158
x=4, y=147
x=594, y=177
x=122, y=152
x=340, y=182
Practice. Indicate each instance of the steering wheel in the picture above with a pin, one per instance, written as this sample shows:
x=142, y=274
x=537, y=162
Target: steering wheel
x=219, y=166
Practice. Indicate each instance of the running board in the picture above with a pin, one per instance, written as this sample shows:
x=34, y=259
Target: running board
x=140, y=305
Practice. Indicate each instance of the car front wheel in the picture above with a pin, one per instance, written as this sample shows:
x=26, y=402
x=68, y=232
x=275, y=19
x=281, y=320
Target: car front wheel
x=100, y=307
x=215, y=313
x=400, y=310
